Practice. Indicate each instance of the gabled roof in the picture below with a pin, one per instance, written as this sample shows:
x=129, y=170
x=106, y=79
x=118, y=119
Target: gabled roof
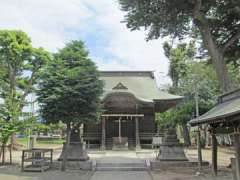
x=228, y=105
x=139, y=83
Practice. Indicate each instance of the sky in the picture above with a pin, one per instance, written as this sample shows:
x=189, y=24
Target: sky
x=53, y=23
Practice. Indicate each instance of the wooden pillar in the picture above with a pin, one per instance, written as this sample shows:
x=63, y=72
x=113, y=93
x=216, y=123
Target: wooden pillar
x=138, y=145
x=103, y=141
x=10, y=153
x=22, y=163
x=237, y=154
x=199, y=148
x=214, y=153
x=119, y=131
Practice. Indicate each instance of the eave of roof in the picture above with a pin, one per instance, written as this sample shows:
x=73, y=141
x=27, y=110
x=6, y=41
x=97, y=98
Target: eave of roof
x=219, y=113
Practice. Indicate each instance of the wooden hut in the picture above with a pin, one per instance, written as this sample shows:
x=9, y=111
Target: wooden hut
x=130, y=101
x=224, y=118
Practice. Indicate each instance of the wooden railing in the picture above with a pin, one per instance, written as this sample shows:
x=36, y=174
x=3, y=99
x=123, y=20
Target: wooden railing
x=92, y=136
x=148, y=136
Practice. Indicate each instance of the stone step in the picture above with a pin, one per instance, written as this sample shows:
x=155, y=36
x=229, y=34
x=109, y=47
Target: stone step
x=121, y=166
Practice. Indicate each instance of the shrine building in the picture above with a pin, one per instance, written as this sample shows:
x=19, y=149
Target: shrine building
x=130, y=101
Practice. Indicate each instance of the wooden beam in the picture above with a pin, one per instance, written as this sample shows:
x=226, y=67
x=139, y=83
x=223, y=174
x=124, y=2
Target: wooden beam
x=199, y=146
x=138, y=145
x=103, y=139
x=122, y=115
x=237, y=153
x=214, y=153
x=119, y=131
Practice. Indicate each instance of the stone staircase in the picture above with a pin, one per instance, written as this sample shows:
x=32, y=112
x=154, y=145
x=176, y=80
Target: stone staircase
x=131, y=166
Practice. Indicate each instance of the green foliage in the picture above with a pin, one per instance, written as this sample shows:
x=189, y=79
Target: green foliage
x=7, y=128
x=174, y=18
x=70, y=89
x=20, y=65
x=191, y=76
x=178, y=57
x=216, y=22
x=40, y=127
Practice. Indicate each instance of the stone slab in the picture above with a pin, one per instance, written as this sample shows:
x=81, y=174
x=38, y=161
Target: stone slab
x=156, y=164
x=81, y=165
x=121, y=175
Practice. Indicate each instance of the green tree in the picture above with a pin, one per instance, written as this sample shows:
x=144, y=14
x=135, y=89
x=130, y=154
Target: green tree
x=7, y=128
x=20, y=65
x=178, y=58
x=70, y=90
x=199, y=76
x=217, y=22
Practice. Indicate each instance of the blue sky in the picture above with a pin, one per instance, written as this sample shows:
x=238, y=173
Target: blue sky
x=52, y=23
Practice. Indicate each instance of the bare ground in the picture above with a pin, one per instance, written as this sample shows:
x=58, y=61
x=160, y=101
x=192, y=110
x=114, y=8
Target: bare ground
x=224, y=155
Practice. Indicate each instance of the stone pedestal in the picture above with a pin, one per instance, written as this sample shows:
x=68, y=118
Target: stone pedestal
x=234, y=169
x=170, y=149
x=76, y=152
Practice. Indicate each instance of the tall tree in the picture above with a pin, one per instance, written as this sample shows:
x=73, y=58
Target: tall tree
x=207, y=87
x=70, y=90
x=178, y=58
x=20, y=65
x=216, y=21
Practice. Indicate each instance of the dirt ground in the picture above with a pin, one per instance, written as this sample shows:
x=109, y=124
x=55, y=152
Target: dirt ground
x=224, y=155
x=13, y=173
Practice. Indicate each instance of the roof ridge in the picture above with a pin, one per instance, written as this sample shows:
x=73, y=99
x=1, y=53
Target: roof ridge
x=128, y=73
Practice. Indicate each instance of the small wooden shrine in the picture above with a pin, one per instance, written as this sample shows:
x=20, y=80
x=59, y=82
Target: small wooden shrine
x=224, y=118
x=130, y=101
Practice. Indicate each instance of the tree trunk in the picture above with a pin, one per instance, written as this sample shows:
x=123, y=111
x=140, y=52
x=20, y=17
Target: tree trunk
x=3, y=154
x=186, y=135
x=218, y=61
x=216, y=54
x=14, y=143
x=63, y=165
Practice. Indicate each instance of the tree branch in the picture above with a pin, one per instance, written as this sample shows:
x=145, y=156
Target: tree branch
x=27, y=90
x=230, y=41
x=197, y=9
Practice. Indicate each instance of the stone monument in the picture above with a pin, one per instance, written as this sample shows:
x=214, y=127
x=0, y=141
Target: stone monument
x=171, y=149
x=76, y=150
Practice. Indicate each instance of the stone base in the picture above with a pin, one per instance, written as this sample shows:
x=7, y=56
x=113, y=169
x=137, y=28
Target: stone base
x=80, y=165
x=120, y=146
x=234, y=170
x=156, y=164
x=172, y=153
x=75, y=152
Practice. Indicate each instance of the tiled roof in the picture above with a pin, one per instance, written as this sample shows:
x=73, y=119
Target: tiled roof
x=228, y=105
x=139, y=83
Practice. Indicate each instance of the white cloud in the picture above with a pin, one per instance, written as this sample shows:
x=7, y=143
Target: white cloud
x=45, y=21
x=50, y=24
